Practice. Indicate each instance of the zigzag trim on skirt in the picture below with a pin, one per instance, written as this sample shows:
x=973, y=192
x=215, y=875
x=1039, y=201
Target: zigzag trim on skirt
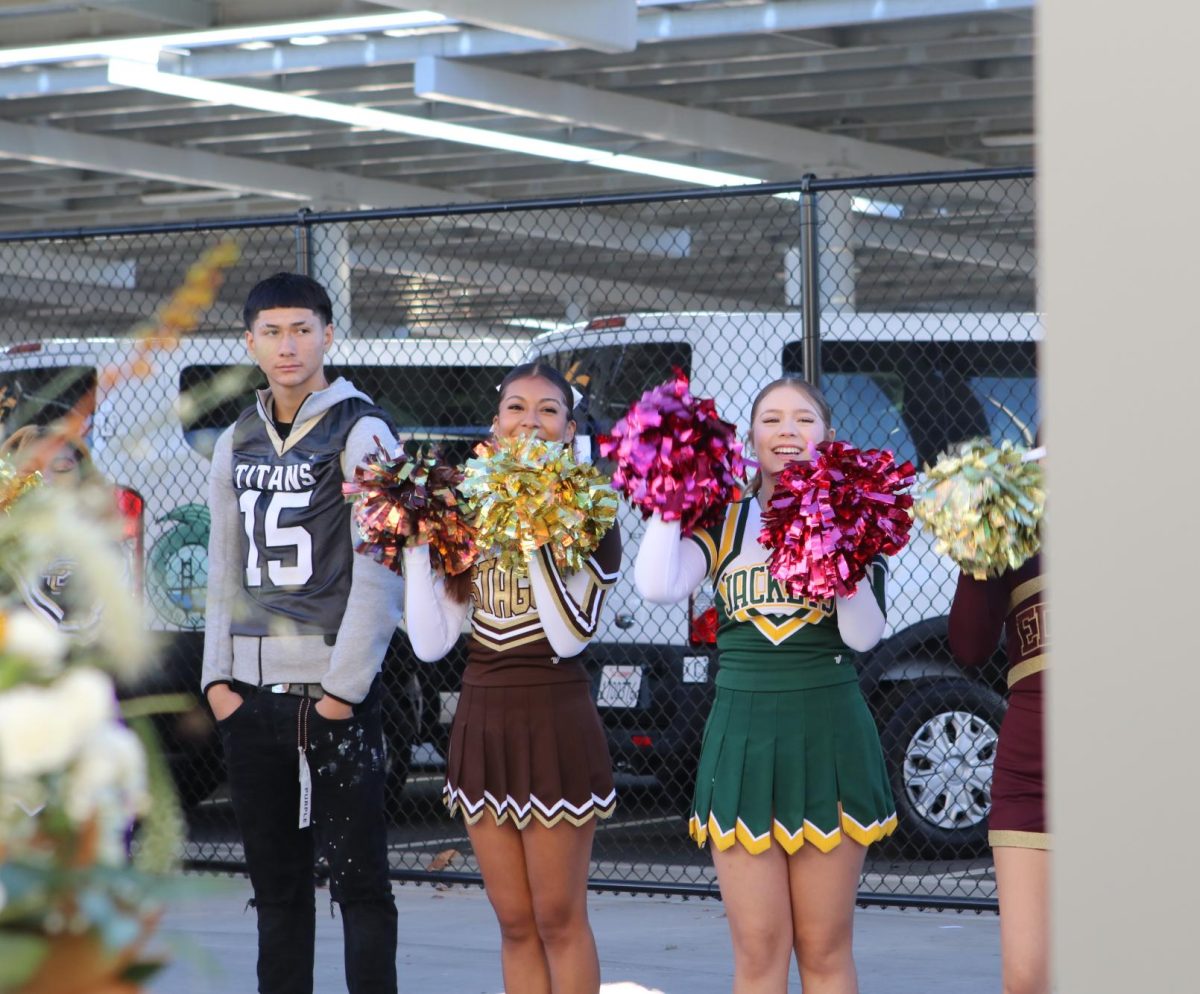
x=790, y=840
x=1001, y=837
x=509, y=808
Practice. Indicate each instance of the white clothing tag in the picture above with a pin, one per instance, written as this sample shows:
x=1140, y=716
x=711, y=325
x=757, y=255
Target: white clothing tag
x=305, y=791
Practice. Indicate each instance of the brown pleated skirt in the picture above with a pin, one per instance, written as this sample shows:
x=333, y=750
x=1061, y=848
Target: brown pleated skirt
x=529, y=752
x=1018, y=816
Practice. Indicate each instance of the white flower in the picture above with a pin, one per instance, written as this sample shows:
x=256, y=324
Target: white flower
x=42, y=729
x=108, y=778
x=33, y=637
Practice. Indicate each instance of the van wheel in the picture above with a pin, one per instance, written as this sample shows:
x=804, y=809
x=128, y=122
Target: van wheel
x=940, y=744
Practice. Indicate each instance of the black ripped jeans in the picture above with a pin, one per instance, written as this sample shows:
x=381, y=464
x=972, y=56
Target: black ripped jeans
x=346, y=760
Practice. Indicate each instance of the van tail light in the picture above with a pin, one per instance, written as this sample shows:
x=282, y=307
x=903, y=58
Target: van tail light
x=602, y=324
x=702, y=619
x=131, y=510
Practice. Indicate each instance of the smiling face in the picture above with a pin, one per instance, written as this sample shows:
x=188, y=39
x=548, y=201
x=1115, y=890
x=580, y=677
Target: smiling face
x=62, y=467
x=533, y=405
x=788, y=425
x=289, y=345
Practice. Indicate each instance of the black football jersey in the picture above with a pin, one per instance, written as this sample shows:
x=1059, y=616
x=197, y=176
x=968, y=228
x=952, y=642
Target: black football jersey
x=295, y=536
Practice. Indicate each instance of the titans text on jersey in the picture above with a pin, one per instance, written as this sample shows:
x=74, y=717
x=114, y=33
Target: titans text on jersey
x=268, y=476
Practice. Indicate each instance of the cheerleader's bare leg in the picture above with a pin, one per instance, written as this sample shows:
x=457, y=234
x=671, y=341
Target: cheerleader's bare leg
x=823, y=889
x=1022, y=879
x=557, y=861
x=536, y=881
x=755, y=892
x=501, y=856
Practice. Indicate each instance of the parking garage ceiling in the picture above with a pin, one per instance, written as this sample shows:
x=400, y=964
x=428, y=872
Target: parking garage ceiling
x=119, y=111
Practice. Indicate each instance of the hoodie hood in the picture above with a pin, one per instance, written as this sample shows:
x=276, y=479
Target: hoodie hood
x=315, y=404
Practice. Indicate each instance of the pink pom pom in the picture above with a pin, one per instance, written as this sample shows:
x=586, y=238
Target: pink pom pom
x=674, y=455
x=829, y=517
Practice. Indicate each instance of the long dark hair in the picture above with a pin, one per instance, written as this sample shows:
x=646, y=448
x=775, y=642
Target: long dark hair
x=458, y=588
x=812, y=392
x=546, y=372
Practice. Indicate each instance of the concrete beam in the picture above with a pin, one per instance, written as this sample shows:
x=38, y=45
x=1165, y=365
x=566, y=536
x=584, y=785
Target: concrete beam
x=808, y=15
x=27, y=260
x=656, y=26
x=130, y=304
x=603, y=25
x=181, y=13
x=943, y=244
x=54, y=146
x=568, y=287
x=798, y=149
x=741, y=57
x=915, y=98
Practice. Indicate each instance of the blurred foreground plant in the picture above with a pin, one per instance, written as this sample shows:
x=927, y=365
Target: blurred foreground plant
x=80, y=898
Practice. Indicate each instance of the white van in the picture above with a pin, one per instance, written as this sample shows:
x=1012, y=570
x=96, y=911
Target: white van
x=153, y=436
x=911, y=382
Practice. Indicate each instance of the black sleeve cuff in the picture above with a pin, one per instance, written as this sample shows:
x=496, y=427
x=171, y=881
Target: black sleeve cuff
x=340, y=700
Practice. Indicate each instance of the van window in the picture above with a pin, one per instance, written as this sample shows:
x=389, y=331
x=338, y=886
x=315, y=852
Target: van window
x=42, y=394
x=919, y=398
x=457, y=396
x=210, y=399
x=442, y=403
x=1010, y=405
x=611, y=377
x=865, y=414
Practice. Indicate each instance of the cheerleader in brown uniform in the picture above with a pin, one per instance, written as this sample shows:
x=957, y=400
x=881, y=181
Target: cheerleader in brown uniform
x=1017, y=825
x=528, y=766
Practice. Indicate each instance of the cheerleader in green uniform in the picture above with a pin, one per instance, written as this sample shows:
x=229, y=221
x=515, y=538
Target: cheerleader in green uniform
x=791, y=785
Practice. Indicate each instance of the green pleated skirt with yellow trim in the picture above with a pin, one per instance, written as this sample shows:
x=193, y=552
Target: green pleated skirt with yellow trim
x=791, y=767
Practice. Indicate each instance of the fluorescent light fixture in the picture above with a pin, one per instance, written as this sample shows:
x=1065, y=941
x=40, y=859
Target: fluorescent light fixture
x=1007, y=141
x=102, y=48
x=144, y=75
x=304, y=40
x=876, y=208
x=256, y=46
x=428, y=29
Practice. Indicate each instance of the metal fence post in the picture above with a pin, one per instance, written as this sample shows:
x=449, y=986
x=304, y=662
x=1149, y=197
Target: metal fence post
x=810, y=301
x=303, y=242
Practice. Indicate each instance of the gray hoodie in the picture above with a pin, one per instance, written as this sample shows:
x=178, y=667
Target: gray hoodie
x=346, y=669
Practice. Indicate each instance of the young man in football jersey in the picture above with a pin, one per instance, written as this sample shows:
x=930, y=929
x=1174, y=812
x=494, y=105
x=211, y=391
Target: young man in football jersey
x=297, y=629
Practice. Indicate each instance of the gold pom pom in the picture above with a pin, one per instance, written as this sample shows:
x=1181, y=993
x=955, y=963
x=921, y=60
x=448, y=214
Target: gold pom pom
x=524, y=493
x=14, y=484
x=983, y=505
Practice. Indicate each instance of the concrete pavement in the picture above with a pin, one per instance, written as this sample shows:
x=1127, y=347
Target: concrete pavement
x=449, y=944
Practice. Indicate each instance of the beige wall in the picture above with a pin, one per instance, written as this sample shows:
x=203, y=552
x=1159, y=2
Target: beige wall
x=1119, y=175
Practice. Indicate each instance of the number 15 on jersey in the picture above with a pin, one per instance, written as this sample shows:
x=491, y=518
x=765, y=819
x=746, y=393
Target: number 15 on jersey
x=277, y=538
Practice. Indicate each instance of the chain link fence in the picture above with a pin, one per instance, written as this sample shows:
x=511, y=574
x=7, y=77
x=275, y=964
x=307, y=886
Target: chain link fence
x=910, y=299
